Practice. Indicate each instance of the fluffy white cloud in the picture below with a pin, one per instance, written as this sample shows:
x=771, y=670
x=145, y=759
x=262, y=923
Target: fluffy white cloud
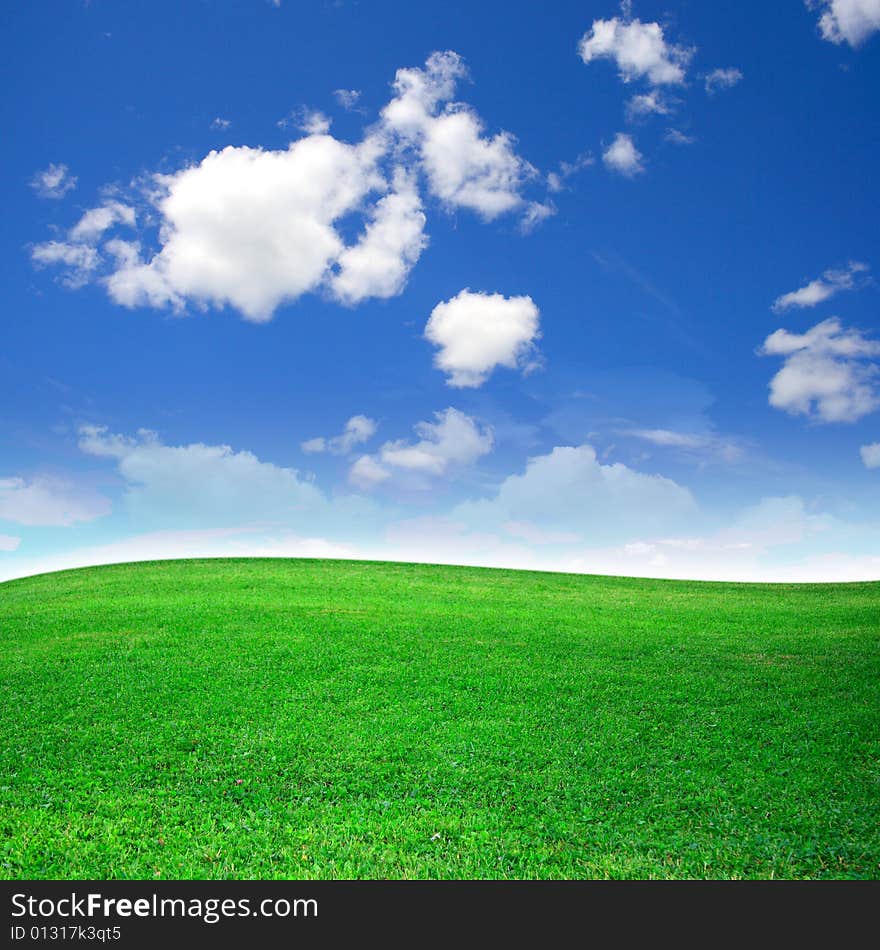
x=186, y=485
x=623, y=157
x=53, y=182
x=378, y=265
x=649, y=103
x=477, y=332
x=219, y=124
x=455, y=440
x=464, y=168
x=870, y=455
x=828, y=373
x=366, y=473
x=358, y=429
x=48, y=501
x=822, y=288
x=639, y=49
x=9, y=542
x=134, y=283
x=722, y=79
x=570, y=490
x=850, y=21
x=252, y=228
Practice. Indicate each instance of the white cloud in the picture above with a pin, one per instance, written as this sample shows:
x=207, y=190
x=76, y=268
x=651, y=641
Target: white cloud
x=478, y=331
x=78, y=253
x=220, y=124
x=378, y=265
x=639, y=49
x=468, y=170
x=80, y=260
x=358, y=429
x=366, y=473
x=569, y=490
x=134, y=283
x=347, y=98
x=9, y=542
x=727, y=450
x=827, y=372
x=649, y=103
x=97, y=220
x=47, y=500
x=464, y=168
x=535, y=212
x=850, y=21
x=310, y=121
x=821, y=289
x=722, y=79
x=668, y=437
x=187, y=485
x=556, y=180
x=677, y=137
x=252, y=228
x=623, y=157
x=454, y=441
x=870, y=455
x=53, y=182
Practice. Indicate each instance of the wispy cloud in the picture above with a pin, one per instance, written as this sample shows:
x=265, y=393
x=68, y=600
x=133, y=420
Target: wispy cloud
x=53, y=182
x=677, y=137
x=358, y=429
x=698, y=444
x=822, y=288
x=347, y=98
x=722, y=79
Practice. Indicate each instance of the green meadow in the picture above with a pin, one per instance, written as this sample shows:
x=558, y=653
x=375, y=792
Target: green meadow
x=331, y=719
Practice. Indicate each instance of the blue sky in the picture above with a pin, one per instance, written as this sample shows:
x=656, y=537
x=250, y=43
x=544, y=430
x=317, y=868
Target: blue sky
x=568, y=286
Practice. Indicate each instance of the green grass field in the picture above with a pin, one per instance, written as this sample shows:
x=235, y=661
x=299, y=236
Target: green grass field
x=298, y=719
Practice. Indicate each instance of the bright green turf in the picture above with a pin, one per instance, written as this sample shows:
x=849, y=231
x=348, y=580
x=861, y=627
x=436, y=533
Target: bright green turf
x=297, y=719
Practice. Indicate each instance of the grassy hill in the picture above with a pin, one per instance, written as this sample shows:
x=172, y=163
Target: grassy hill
x=294, y=719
